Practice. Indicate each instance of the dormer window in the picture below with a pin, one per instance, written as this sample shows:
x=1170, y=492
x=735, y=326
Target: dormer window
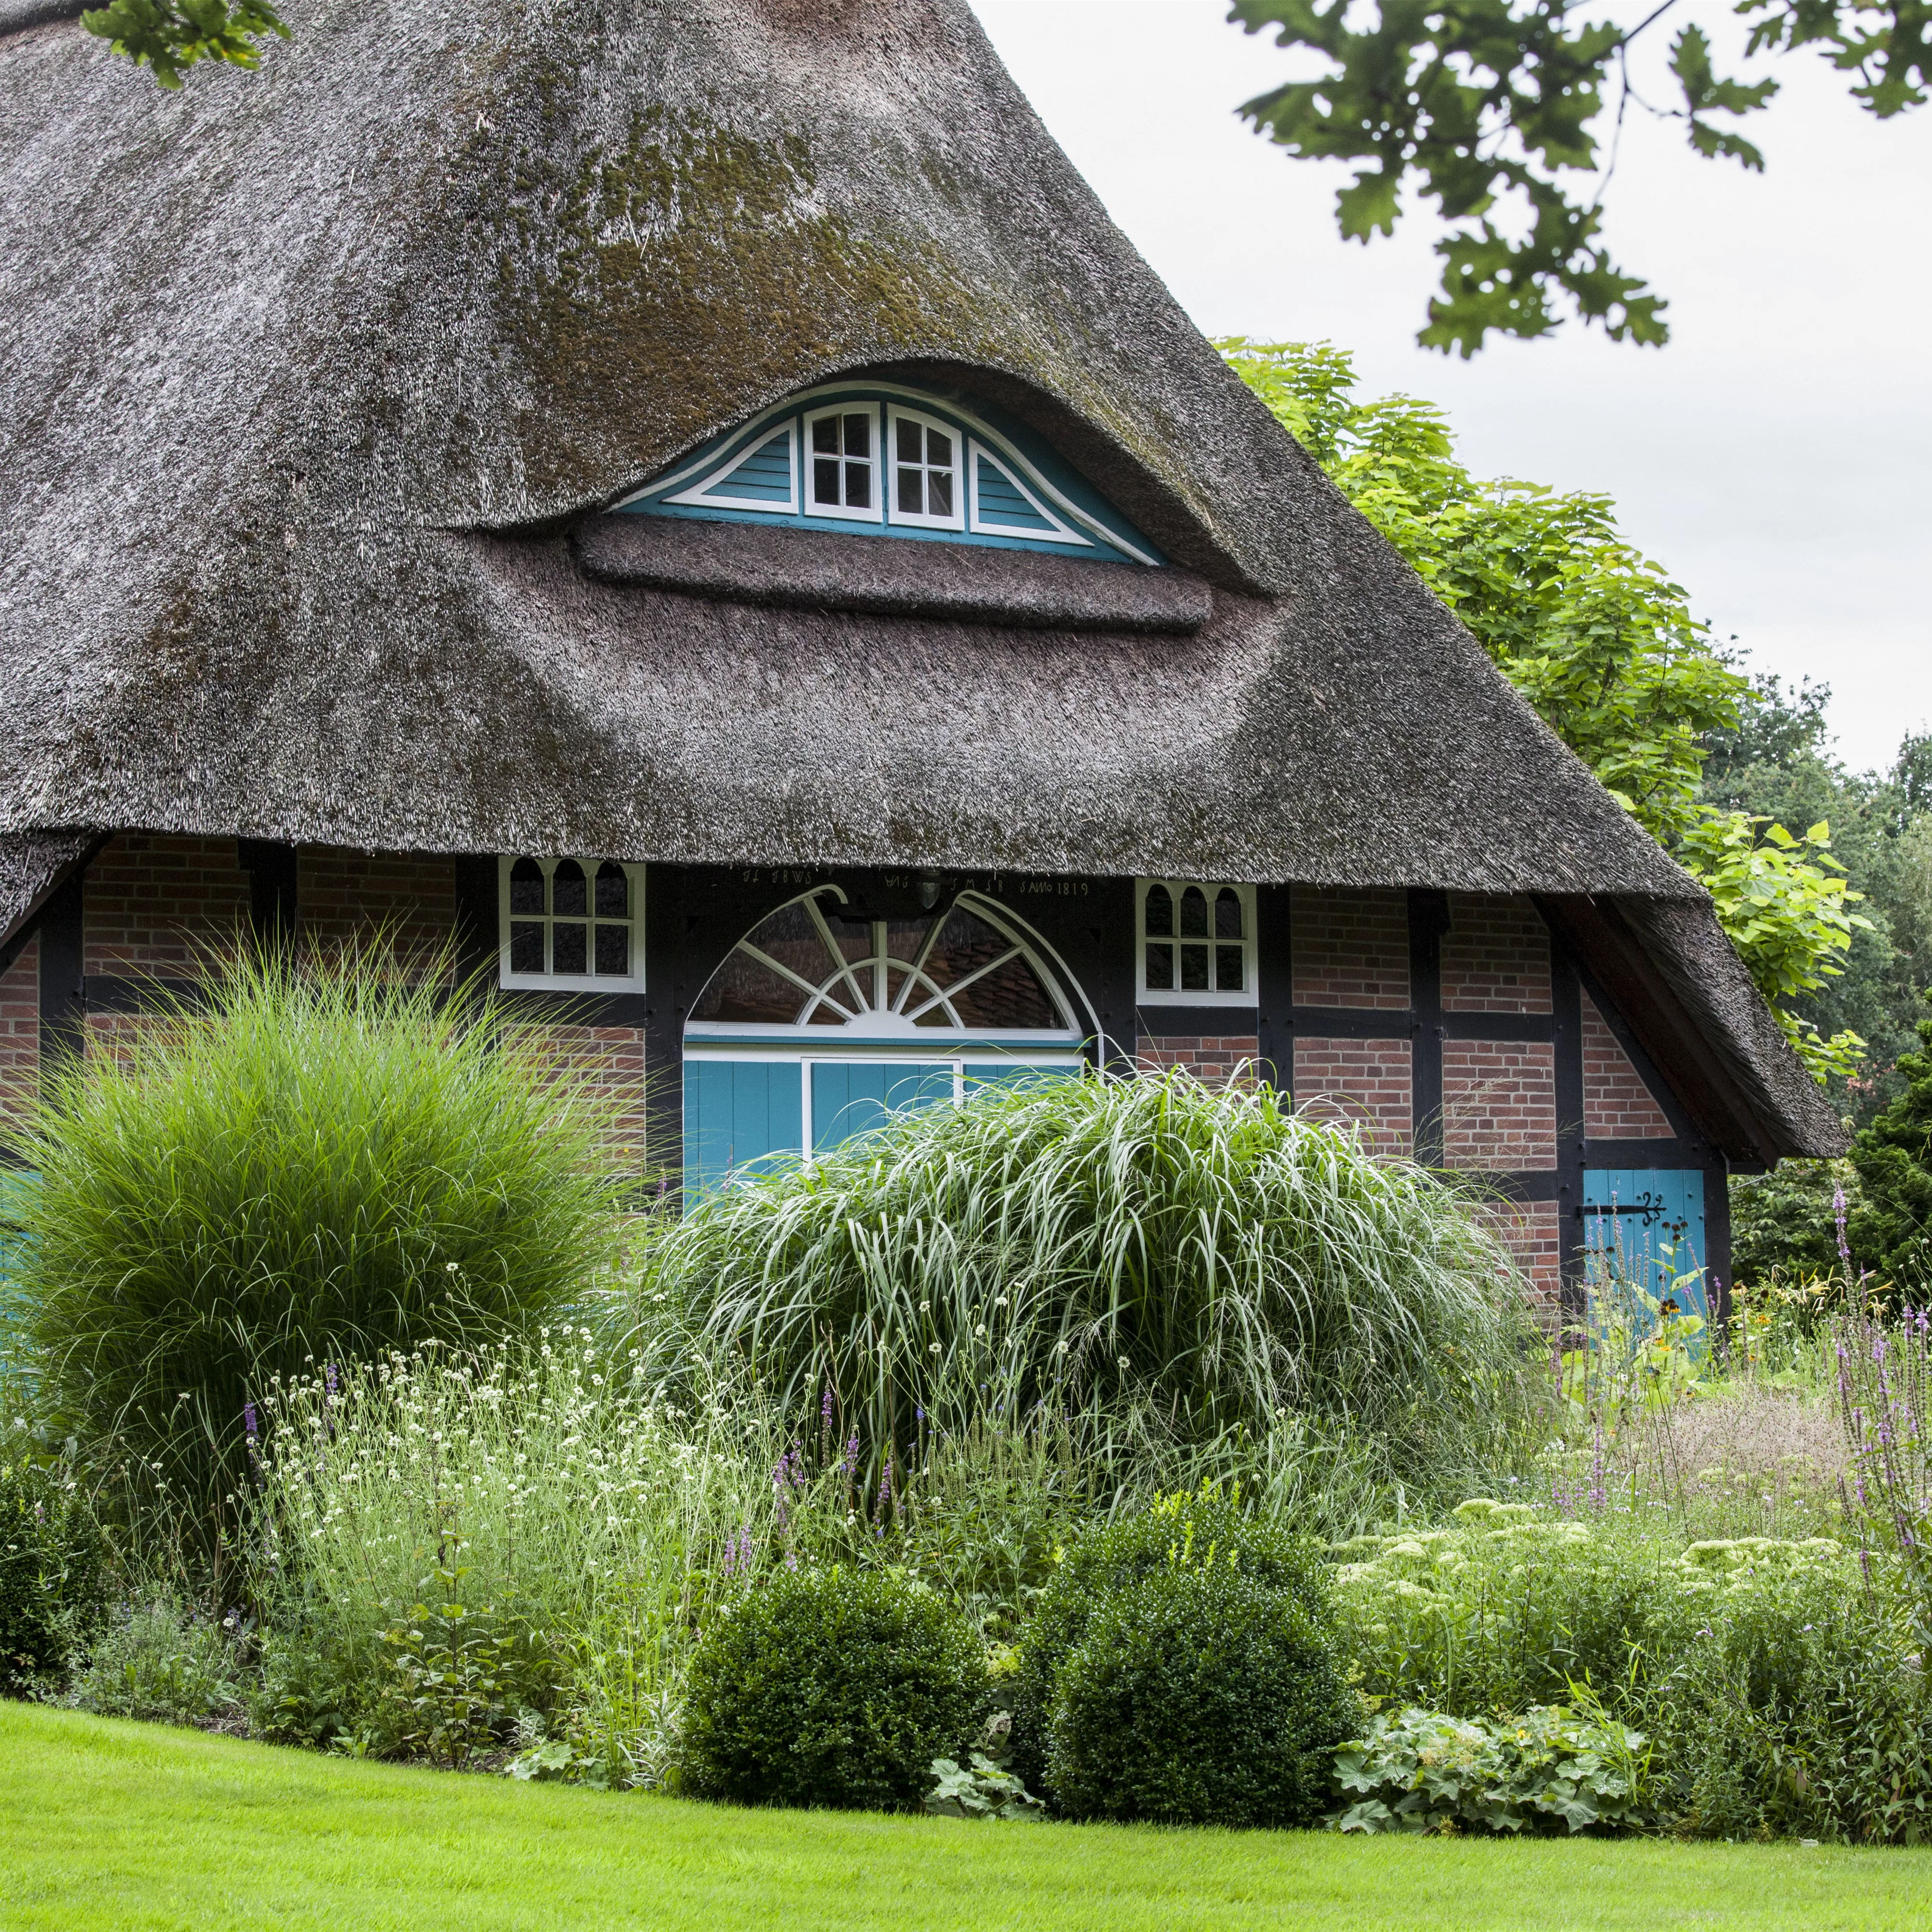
x=571, y=925
x=842, y=444
x=904, y=462
x=1196, y=943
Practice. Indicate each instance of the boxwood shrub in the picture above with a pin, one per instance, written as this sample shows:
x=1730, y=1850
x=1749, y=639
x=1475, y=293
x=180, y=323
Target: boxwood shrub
x=1181, y=1532
x=833, y=1688
x=1199, y=1696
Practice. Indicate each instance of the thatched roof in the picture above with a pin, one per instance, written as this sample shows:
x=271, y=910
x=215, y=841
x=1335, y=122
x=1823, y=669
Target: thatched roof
x=313, y=371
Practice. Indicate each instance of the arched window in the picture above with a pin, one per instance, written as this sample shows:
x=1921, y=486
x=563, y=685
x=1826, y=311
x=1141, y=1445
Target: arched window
x=820, y=963
x=828, y=1017
x=1196, y=943
x=571, y=925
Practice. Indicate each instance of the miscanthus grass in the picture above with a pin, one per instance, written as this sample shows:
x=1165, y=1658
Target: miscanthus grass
x=311, y=1161
x=1191, y=1277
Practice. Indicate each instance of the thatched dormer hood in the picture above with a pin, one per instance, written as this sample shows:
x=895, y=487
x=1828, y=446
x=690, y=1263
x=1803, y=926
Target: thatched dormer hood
x=312, y=374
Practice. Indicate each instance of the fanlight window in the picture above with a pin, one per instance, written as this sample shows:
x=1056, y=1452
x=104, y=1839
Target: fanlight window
x=1196, y=943
x=572, y=923
x=817, y=963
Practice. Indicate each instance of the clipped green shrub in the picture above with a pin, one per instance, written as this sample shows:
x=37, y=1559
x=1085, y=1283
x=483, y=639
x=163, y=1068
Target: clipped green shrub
x=834, y=1688
x=1199, y=1696
x=53, y=1574
x=315, y=1163
x=1179, y=1532
x=162, y=1663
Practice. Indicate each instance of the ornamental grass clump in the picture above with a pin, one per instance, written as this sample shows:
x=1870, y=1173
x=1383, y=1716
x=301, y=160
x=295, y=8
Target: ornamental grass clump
x=311, y=1163
x=1204, y=1260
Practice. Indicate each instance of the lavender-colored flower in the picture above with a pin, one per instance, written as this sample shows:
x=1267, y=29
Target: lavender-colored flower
x=1838, y=1216
x=249, y=1421
x=851, y=1457
x=328, y=1376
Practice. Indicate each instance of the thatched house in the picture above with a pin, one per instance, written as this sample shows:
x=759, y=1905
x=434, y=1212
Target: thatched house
x=695, y=500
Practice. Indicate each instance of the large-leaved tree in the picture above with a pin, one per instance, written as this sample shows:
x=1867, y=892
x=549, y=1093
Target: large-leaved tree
x=1507, y=114
x=1601, y=642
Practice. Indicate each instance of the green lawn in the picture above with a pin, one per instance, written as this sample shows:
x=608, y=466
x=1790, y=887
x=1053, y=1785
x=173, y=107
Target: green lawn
x=129, y=1826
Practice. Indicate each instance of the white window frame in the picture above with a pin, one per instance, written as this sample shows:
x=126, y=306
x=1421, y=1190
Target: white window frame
x=906, y=519
x=632, y=981
x=1178, y=996
x=841, y=512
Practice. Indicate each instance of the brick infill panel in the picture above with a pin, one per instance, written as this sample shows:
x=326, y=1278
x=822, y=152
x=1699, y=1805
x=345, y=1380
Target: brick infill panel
x=1496, y=956
x=1369, y=1082
x=1617, y=1104
x=1351, y=946
x=158, y=904
x=1498, y=1104
x=20, y=1029
x=1212, y=1059
x=1530, y=1230
x=345, y=897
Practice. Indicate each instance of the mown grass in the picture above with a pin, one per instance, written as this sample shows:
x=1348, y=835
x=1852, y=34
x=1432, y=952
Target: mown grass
x=141, y=1827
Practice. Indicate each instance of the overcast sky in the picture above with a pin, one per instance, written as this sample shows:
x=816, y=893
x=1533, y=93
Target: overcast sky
x=1776, y=457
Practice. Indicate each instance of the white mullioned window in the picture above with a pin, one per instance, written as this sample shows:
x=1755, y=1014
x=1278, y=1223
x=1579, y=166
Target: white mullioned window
x=571, y=925
x=928, y=483
x=842, y=468
x=1194, y=943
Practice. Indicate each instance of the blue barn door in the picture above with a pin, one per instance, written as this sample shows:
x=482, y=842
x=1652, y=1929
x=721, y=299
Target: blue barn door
x=1643, y=1228
x=851, y=1097
x=738, y=1113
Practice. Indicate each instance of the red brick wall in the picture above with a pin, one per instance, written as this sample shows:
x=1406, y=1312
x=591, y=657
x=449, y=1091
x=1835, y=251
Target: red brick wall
x=1528, y=1229
x=153, y=903
x=1617, y=1105
x=1208, y=1057
x=342, y=896
x=1364, y=1080
x=1495, y=957
x=20, y=1028
x=1499, y=1103
x=1351, y=946
x=610, y=1061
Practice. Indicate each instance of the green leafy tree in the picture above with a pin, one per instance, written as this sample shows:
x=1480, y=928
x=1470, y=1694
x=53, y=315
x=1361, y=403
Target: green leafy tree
x=170, y=36
x=1482, y=105
x=1776, y=765
x=1891, y=1231
x=1602, y=643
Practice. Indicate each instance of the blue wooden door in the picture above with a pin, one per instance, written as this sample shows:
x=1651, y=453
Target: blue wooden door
x=1645, y=1227
x=849, y=1097
x=737, y=1115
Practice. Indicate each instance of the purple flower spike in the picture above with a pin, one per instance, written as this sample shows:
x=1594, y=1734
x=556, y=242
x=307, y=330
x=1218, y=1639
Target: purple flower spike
x=249, y=1420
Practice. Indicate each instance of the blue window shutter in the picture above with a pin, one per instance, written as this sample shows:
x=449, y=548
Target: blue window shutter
x=849, y=1097
x=737, y=1113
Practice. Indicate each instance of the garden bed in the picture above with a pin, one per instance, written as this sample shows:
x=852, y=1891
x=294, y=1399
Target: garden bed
x=105, y=1823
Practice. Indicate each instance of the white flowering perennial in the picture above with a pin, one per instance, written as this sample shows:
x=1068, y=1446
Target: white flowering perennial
x=550, y=1489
